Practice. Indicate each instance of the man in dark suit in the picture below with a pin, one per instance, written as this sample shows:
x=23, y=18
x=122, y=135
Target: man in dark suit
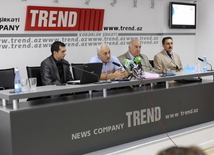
x=54, y=70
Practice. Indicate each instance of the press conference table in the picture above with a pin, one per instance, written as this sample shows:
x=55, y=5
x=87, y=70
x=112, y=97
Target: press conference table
x=55, y=90
x=80, y=123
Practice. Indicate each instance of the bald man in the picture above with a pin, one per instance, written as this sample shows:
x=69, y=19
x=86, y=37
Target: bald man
x=134, y=50
x=109, y=70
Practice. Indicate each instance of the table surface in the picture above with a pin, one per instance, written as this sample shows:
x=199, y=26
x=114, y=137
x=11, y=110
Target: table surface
x=54, y=90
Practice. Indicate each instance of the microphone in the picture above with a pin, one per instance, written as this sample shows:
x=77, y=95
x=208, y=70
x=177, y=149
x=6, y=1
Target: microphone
x=138, y=61
x=118, y=65
x=169, y=73
x=207, y=63
x=129, y=63
x=92, y=73
x=200, y=59
x=169, y=63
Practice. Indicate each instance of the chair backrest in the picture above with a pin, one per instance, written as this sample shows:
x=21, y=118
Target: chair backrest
x=151, y=62
x=76, y=72
x=35, y=72
x=7, y=78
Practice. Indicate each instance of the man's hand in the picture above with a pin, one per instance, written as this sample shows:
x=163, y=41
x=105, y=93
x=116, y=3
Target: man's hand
x=117, y=74
x=120, y=74
x=166, y=69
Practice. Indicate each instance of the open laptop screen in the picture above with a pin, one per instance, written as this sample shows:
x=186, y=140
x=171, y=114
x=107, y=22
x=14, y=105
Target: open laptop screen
x=90, y=73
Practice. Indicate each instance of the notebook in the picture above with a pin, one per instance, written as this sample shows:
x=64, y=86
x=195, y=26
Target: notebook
x=90, y=73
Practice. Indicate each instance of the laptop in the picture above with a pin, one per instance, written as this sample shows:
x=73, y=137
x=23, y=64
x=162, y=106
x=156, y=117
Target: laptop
x=90, y=73
x=77, y=70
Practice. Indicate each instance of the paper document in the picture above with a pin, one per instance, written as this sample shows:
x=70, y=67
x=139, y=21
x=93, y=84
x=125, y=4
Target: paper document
x=151, y=75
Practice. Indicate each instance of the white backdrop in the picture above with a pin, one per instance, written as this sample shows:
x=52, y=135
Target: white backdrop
x=205, y=30
x=154, y=23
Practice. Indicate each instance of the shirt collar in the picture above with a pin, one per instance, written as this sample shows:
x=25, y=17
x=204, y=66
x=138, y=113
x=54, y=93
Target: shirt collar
x=54, y=59
x=131, y=56
x=170, y=54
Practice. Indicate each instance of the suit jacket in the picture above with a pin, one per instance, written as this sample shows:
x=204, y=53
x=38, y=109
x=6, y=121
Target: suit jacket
x=146, y=66
x=162, y=60
x=50, y=73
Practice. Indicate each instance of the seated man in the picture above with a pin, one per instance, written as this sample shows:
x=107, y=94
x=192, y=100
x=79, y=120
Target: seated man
x=54, y=70
x=166, y=59
x=134, y=51
x=109, y=70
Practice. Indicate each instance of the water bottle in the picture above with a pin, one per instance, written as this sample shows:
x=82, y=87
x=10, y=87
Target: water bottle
x=17, y=82
x=205, y=64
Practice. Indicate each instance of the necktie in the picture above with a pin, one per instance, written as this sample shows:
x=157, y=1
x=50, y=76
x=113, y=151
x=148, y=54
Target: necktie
x=169, y=54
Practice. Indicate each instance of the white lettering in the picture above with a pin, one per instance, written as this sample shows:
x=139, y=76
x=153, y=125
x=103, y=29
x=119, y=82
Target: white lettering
x=52, y=18
x=79, y=135
x=72, y=19
x=150, y=114
x=129, y=114
x=136, y=118
x=43, y=15
x=108, y=129
x=33, y=20
x=143, y=116
x=157, y=113
x=62, y=19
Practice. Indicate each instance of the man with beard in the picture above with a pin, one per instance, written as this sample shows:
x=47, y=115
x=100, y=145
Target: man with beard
x=167, y=60
x=53, y=69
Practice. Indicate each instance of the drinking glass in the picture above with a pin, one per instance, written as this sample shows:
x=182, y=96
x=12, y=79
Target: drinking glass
x=33, y=83
x=24, y=83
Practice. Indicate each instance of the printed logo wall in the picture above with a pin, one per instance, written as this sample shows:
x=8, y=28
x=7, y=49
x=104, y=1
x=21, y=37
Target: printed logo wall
x=85, y=26
x=63, y=19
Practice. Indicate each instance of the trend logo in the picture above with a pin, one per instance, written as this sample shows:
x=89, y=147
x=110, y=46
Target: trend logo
x=39, y=18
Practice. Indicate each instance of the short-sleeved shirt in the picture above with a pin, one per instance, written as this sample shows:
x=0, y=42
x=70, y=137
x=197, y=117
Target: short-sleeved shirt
x=108, y=67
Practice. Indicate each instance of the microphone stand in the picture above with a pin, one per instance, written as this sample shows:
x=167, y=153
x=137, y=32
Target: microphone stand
x=131, y=75
x=211, y=69
x=139, y=66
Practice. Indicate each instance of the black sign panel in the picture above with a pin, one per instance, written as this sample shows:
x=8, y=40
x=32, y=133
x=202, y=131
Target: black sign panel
x=77, y=127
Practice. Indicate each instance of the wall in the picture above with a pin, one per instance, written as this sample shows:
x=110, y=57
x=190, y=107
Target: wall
x=153, y=21
x=205, y=30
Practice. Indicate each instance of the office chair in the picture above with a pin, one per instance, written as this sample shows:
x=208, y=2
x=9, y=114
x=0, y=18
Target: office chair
x=7, y=78
x=34, y=72
x=76, y=72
